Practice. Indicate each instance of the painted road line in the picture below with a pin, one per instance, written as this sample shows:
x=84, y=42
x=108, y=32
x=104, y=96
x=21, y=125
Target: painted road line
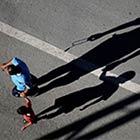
x=35, y=42
x=65, y=56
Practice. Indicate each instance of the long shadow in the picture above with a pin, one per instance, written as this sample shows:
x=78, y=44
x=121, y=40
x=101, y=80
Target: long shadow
x=100, y=92
x=99, y=35
x=120, y=61
x=123, y=26
x=107, y=52
x=72, y=130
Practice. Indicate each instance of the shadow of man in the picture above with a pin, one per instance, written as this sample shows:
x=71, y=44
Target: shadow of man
x=107, y=52
x=102, y=91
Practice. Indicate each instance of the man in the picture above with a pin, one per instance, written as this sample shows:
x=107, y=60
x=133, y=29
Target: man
x=20, y=76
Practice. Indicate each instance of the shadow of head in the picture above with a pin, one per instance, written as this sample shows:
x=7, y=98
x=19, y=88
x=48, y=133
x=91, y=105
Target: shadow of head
x=126, y=76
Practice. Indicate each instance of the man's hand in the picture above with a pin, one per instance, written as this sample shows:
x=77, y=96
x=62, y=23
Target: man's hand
x=3, y=66
x=22, y=94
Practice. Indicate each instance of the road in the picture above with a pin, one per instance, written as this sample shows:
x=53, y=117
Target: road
x=77, y=99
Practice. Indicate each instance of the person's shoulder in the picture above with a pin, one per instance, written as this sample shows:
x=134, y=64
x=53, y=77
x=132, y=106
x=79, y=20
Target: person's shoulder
x=20, y=77
x=15, y=61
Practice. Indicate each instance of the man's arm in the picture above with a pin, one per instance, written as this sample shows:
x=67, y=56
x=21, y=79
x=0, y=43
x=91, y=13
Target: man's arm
x=23, y=94
x=5, y=65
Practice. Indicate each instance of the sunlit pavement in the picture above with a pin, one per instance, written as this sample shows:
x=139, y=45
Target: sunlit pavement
x=74, y=104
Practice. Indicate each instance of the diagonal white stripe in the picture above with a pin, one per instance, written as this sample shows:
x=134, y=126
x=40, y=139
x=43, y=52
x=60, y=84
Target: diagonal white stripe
x=65, y=56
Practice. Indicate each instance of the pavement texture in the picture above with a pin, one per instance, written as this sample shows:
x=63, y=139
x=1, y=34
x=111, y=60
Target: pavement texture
x=74, y=102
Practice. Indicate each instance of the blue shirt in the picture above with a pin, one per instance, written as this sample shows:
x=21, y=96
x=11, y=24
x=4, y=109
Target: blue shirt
x=23, y=80
x=19, y=81
x=23, y=66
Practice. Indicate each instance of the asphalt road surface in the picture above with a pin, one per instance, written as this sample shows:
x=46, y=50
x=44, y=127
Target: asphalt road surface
x=85, y=55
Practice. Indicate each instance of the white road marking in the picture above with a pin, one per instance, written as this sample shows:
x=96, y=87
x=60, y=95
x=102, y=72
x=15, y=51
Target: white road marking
x=65, y=56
